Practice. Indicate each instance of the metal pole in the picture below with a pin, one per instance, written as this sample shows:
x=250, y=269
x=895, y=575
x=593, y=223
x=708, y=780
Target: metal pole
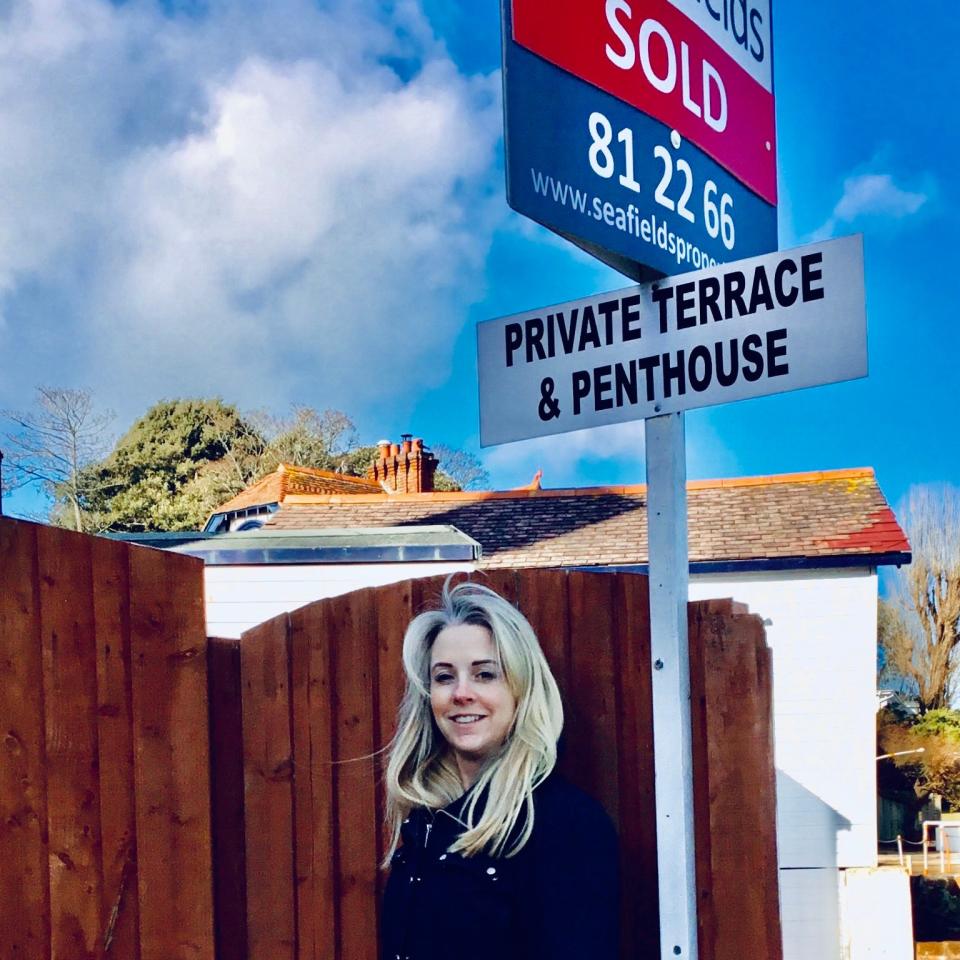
x=673, y=762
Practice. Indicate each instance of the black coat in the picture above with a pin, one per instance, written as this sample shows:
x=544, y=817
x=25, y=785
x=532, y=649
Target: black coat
x=557, y=899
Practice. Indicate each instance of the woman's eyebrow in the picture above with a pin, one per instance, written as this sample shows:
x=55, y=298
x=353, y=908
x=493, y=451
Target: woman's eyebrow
x=475, y=663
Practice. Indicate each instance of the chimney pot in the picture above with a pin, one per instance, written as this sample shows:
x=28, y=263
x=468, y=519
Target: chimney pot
x=411, y=472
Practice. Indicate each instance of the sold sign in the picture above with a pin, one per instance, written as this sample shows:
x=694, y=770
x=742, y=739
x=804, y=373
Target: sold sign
x=644, y=131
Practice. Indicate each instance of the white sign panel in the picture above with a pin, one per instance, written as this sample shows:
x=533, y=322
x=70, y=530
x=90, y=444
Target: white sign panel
x=741, y=29
x=747, y=329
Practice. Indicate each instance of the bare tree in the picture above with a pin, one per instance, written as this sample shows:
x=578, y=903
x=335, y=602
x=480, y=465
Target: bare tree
x=918, y=624
x=463, y=468
x=50, y=446
x=244, y=446
x=307, y=437
x=7, y=484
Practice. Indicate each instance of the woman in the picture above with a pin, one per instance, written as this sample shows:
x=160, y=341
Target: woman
x=493, y=855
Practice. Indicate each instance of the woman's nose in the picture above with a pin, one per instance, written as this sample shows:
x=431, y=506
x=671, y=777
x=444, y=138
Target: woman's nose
x=463, y=690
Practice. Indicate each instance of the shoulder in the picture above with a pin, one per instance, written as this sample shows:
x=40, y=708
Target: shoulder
x=564, y=809
x=572, y=868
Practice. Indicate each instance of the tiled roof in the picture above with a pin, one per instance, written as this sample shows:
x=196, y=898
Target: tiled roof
x=288, y=479
x=838, y=513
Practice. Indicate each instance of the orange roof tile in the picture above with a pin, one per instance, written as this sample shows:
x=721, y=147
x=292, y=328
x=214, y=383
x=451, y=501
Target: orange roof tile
x=291, y=480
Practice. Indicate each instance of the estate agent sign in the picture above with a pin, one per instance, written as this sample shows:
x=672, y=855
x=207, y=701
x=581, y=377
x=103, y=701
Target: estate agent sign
x=643, y=130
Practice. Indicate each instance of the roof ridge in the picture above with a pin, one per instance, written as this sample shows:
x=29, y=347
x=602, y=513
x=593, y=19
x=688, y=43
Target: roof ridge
x=284, y=468
x=478, y=496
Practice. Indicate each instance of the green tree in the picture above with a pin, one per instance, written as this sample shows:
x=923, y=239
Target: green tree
x=919, y=624
x=173, y=466
x=355, y=462
x=183, y=458
x=937, y=768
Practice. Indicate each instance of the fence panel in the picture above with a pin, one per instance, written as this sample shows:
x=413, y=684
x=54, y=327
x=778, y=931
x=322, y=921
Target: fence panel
x=70, y=718
x=227, y=802
x=115, y=747
x=25, y=890
x=315, y=774
x=172, y=758
x=591, y=756
x=343, y=658
x=104, y=788
x=268, y=797
x=736, y=784
x=637, y=827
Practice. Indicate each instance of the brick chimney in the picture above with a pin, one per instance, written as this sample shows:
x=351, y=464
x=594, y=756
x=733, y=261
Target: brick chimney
x=405, y=467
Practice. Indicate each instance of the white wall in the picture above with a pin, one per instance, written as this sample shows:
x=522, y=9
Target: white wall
x=823, y=634
x=240, y=597
x=810, y=914
x=876, y=919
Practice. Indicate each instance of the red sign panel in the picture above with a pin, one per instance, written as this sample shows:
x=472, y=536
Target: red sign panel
x=650, y=55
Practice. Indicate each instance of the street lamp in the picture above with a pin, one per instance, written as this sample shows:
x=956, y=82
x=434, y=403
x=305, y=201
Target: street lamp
x=901, y=753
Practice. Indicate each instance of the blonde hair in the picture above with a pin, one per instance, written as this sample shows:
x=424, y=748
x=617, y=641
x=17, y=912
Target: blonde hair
x=421, y=771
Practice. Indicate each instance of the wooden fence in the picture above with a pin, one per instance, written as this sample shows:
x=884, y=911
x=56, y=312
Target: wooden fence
x=105, y=845
x=320, y=690
x=145, y=815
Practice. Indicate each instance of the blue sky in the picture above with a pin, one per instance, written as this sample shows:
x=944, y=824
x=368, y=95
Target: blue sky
x=303, y=203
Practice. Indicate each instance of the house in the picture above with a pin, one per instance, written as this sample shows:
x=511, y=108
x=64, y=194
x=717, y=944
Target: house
x=251, y=507
x=802, y=550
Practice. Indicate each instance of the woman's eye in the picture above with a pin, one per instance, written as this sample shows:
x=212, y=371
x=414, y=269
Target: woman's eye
x=486, y=675
x=442, y=677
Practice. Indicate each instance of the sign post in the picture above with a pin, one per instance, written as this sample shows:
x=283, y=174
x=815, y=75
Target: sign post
x=644, y=132
x=670, y=660
x=773, y=323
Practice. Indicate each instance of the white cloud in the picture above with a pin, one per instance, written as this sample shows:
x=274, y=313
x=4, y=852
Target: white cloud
x=270, y=202
x=562, y=458
x=615, y=453
x=875, y=194
x=871, y=195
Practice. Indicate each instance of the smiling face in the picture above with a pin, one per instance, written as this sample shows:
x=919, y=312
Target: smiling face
x=469, y=696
